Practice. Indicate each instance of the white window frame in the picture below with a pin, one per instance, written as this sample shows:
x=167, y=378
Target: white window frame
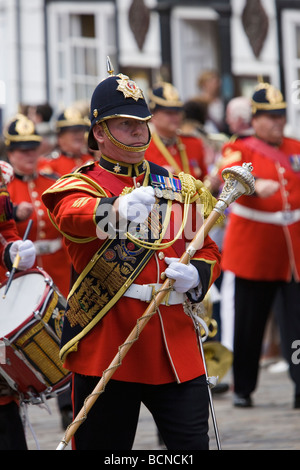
x=61, y=88
x=290, y=21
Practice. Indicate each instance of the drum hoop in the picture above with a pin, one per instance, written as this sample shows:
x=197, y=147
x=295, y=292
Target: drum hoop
x=8, y=379
x=36, y=316
x=48, y=291
x=25, y=331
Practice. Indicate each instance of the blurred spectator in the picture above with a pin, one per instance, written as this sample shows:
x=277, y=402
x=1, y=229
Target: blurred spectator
x=195, y=116
x=41, y=115
x=210, y=92
x=238, y=116
x=194, y=123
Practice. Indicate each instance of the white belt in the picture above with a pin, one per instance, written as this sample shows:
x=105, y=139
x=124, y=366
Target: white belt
x=45, y=247
x=276, y=218
x=145, y=292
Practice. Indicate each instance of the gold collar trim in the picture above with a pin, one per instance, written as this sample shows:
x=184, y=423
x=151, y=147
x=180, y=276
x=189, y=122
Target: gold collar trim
x=122, y=168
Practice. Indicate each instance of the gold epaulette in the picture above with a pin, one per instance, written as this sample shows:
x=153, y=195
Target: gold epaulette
x=69, y=182
x=76, y=181
x=230, y=156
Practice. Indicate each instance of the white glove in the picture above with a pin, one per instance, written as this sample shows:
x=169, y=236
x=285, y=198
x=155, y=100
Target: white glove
x=137, y=205
x=186, y=275
x=6, y=171
x=26, y=251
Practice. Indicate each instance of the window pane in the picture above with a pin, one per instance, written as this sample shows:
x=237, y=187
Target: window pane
x=82, y=26
x=90, y=89
x=111, y=33
x=61, y=97
x=91, y=62
x=298, y=41
x=77, y=62
x=84, y=61
x=79, y=91
x=61, y=65
x=61, y=29
x=88, y=26
x=74, y=26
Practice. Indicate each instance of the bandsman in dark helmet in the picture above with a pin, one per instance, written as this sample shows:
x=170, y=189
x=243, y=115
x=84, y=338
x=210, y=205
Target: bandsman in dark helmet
x=262, y=242
x=116, y=218
x=169, y=147
x=71, y=151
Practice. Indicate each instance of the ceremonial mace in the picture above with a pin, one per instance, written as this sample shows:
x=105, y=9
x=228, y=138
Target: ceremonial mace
x=238, y=181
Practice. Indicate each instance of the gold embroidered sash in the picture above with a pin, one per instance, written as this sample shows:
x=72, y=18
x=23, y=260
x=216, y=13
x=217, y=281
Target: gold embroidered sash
x=108, y=275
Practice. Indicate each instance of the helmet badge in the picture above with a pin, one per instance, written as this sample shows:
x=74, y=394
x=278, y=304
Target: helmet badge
x=129, y=88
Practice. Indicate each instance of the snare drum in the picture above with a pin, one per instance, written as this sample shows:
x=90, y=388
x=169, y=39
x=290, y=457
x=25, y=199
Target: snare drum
x=31, y=317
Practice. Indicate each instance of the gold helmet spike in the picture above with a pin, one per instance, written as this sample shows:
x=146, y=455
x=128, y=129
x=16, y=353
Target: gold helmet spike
x=110, y=68
x=260, y=79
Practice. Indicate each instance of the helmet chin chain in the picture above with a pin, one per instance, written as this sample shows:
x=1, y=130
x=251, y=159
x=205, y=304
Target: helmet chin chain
x=127, y=148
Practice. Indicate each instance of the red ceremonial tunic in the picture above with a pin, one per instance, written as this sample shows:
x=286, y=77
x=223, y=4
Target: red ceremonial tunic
x=8, y=229
x=167, y=348
x=62, y=164
x=56, y=263
x=256, y=249
x=194, y=151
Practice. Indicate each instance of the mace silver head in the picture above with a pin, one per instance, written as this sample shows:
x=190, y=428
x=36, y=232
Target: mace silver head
x=243, y=174
x=238, y=181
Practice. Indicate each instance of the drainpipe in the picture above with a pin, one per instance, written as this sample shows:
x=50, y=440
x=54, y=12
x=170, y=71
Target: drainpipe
x=117, y=65
x=46, y=50
x=19, y=53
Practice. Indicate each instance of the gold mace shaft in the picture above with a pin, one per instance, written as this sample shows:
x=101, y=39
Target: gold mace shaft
x=238, y=181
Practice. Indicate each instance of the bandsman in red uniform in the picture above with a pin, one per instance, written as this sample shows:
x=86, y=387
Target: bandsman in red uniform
x=170, y=148
x=71, y=152
x=12, y=436
x=26, y=190
x=103, y=212
x=262, y=241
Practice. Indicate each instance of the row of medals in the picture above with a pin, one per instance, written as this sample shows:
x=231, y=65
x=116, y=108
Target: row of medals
x=167, y=194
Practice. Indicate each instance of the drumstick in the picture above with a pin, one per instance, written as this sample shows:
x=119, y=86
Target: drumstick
x=17, y=260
